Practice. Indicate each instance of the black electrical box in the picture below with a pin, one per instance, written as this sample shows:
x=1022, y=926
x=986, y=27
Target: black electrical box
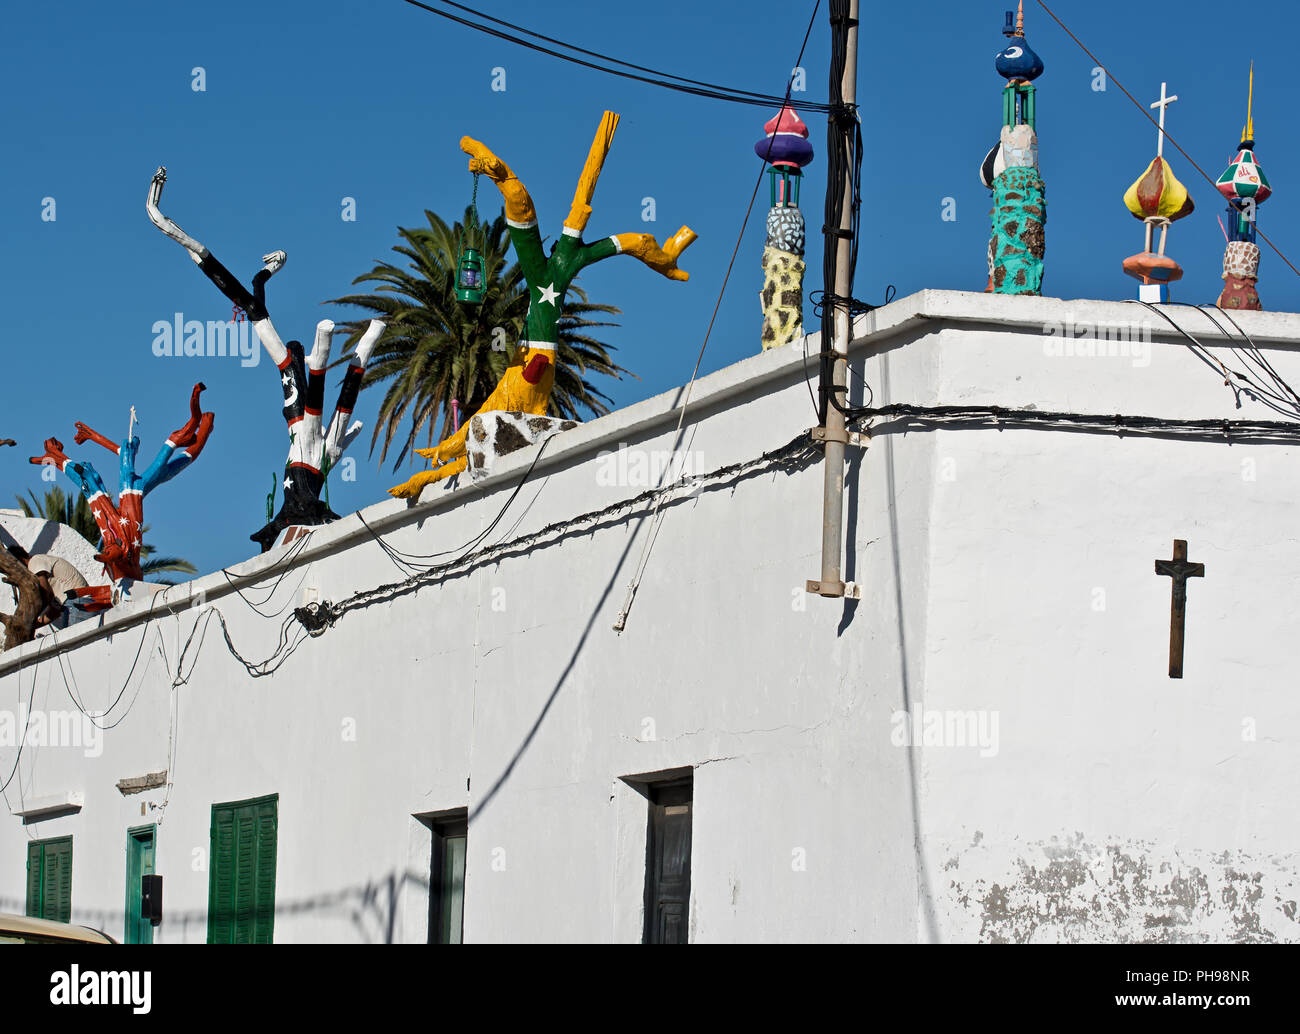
x=151, y=898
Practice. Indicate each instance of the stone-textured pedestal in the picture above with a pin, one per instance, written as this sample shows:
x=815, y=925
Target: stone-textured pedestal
x=495, y=434
x=1240, y=274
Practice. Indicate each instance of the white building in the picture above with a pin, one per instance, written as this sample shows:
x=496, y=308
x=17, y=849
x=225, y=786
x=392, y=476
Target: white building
x=987, y=746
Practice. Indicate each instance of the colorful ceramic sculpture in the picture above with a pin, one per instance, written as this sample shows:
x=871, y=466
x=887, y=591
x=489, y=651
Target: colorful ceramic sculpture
x=313, y=448
x=785, y=146
x=120, y=522
x=1018, y=242
x=526, y=385
x=1158, y=198
x=1246, y=187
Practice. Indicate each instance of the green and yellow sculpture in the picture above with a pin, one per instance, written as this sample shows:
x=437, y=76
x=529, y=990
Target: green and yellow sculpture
x=526, y=385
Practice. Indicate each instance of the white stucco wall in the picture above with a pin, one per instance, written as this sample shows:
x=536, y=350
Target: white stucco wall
x=1114, y=804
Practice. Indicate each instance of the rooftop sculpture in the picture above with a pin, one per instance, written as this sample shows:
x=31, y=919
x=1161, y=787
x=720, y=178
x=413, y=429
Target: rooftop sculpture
x=785, y=146
x=1018, y=242
x=120, y=522
x=1158, y=199
x=1246, y=187
x=526, y=385
x=312, y=453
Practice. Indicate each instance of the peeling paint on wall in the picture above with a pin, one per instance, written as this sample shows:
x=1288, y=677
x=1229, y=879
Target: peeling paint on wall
x=1074, y=890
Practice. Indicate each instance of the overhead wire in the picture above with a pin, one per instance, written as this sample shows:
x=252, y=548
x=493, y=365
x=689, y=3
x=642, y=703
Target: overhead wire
x=1147, y=114
x=1001, y=418
x=31, y=699
x=287, y=559
x=1252, y=351
x=1272, y=399
x=319, y=617
x=655, y=78
x=638, y=572
x=405, y=561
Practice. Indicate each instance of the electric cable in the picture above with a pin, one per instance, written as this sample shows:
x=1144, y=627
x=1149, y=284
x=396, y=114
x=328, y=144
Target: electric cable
x=319, y=617
x=31, y=699
x=1137, y=104
x=1253, y=390
x=682, y=85
x=287, y=559
x=621, y=621
x=1000, y=418
x=94, y=719
x=404, y=561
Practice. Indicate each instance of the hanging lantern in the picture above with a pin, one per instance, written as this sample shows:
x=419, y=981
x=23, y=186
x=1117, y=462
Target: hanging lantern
x=470, y=282
x=469, y=277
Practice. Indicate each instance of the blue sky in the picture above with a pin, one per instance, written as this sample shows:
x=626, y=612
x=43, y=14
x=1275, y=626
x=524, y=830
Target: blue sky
x=308, y=103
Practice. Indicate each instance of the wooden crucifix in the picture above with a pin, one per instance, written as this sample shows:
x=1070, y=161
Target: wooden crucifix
x=1179, y=570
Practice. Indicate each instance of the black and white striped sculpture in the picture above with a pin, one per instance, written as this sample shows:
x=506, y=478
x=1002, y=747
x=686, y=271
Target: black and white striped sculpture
x=313, y=451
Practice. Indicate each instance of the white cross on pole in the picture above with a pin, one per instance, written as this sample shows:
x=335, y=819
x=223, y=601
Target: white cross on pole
x=1164, y=102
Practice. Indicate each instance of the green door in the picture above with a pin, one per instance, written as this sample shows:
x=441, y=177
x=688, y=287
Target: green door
x=241, y=880
x=49, y=879
x=139, y=862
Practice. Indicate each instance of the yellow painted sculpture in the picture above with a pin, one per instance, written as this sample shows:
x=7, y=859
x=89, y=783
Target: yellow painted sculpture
x=526, y=385
x=1158, y=193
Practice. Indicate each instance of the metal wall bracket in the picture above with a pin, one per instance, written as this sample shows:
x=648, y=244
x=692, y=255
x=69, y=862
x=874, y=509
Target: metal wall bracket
x=835, y=590
x=858, y=439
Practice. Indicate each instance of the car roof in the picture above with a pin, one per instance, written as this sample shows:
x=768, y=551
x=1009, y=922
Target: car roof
x=30, y=927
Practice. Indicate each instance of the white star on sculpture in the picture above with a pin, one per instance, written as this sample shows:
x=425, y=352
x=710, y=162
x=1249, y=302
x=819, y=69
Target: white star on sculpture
x=124, y=521
x=288, y=483
x=285, y=379
x=548, y=294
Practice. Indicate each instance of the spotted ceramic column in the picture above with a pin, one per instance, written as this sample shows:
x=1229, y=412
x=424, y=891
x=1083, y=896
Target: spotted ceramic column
x=785, y=146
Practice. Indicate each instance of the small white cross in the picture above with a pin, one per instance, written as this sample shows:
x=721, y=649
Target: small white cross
x=1162, y=104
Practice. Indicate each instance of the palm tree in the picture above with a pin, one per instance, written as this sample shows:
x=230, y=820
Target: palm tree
x=75, y=513
x=436, y=349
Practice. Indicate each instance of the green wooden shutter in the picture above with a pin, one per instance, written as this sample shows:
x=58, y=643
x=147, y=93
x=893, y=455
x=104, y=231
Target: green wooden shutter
x=241, y=883
x=49, y=879
x=245, y=873
x=221, y=882
x=264, y=878
x=35, y=855
x=61, y=863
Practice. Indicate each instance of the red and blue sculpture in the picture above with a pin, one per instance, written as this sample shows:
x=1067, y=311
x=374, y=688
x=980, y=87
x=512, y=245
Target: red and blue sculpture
x=120, y=521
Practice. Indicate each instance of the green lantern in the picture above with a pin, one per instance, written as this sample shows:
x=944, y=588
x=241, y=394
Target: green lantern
x=469, y=267
x=469, y=277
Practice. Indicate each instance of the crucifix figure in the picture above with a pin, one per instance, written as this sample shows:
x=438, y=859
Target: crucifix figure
x=1163, y=103
x=1179, y=570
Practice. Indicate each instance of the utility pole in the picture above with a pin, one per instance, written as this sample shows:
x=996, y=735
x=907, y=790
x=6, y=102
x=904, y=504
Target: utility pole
x=834, y=432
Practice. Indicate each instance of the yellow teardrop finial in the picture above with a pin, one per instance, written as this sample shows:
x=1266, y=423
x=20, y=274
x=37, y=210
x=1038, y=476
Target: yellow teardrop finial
x=1249, y=132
